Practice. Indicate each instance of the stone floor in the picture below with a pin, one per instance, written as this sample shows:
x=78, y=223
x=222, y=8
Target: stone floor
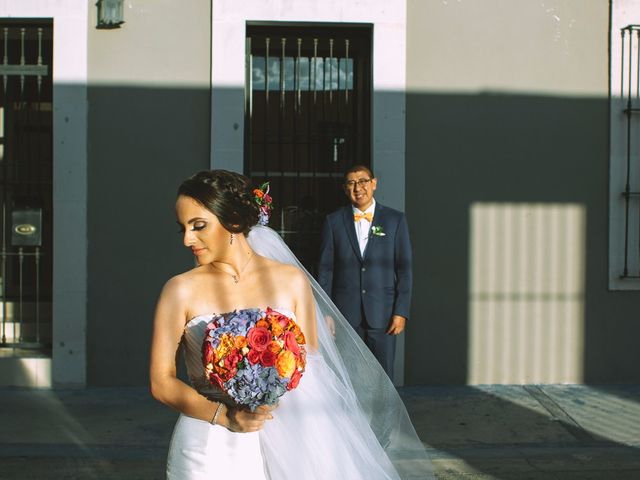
x=531, y=432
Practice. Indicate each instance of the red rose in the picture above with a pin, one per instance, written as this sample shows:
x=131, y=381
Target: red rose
x=268, y=358
x=217, y=379
x=291, y=343
x=259, y=338
x=229, y=374
x=295, y=380
x=232, y=359
x=208, y=354
x=253, y=356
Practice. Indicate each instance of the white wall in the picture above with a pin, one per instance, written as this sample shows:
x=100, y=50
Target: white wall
x=515, y=46
x=69, y=179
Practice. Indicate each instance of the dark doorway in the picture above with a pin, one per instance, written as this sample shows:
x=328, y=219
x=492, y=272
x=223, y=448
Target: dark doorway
x=26, y=161
x=307, y=118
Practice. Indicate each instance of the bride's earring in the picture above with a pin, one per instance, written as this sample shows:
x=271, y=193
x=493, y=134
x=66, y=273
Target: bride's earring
x=231, y=240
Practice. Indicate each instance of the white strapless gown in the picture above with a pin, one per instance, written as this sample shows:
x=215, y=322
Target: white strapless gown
x=313, y=436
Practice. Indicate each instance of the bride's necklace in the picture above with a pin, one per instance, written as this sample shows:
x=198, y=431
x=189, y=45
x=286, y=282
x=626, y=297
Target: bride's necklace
x=235, y=276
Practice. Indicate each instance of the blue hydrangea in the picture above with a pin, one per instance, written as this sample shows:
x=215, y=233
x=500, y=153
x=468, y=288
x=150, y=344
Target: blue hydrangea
x=256, y=385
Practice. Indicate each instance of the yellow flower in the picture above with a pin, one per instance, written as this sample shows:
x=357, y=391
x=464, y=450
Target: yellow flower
x=226, y=345
x=286, y=364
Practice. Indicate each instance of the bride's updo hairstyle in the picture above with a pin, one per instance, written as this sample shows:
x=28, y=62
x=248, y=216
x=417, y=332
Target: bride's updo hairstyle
x=228, y=195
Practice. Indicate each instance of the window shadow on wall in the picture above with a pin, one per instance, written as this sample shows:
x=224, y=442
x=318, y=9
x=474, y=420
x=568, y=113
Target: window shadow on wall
x=470, y=151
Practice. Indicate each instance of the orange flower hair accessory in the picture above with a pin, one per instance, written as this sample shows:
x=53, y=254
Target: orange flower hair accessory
x=264, y=200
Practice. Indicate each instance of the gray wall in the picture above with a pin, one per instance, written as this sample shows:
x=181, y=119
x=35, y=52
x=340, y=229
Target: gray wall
x=507, y=104
x=149, y=125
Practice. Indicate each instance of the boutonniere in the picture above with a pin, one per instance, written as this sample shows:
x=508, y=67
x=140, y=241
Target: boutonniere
x=377, y=230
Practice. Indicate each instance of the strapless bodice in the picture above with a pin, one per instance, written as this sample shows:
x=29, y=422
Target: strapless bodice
x=194, y=331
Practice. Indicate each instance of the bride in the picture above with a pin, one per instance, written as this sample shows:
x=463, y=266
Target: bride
x=345, y=420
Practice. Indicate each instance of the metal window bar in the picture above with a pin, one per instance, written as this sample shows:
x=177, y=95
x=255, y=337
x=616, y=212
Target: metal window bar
x=26, y=185
x=630, y=65
x=303, y=140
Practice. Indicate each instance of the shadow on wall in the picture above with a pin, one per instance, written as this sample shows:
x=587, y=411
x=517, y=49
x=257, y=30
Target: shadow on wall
x=507, y=201
x=142, y=143
x=469, y=159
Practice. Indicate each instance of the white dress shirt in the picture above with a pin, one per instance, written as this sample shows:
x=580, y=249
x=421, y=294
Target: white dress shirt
x=363, y=227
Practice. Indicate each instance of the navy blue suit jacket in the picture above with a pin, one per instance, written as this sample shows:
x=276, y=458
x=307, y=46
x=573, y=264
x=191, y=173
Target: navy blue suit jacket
x=380, y=280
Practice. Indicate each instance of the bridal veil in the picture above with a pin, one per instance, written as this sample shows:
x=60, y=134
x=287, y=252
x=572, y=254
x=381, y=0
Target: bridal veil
x=346, y=419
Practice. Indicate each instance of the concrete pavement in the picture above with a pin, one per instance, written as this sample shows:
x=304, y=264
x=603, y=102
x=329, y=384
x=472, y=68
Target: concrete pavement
x=484, y=433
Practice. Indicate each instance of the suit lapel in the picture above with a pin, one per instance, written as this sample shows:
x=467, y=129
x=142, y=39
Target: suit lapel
x=376, y=221
x=351, y=230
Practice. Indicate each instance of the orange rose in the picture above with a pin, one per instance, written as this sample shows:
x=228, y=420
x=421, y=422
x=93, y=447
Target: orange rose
x=286, y=364
x=241, y=342
x=275, y=315
x=262, y=323
x=274, y=347
x=276, y=329
x=258, y=193
x=291, y=343
x=295, y=379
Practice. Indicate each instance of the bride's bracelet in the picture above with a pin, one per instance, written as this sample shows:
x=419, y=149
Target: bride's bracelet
x=214, y=420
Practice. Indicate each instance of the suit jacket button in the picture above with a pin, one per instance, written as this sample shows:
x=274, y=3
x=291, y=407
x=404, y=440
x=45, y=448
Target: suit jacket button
x=364, y=291
x=364, y=269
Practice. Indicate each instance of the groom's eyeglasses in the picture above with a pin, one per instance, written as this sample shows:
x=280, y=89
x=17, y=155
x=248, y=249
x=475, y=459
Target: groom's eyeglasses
x=351, y=184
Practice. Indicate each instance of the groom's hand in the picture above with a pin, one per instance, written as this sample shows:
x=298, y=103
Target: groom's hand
x=396, y=325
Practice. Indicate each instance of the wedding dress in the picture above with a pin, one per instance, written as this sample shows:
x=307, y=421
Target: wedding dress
x=345, y=419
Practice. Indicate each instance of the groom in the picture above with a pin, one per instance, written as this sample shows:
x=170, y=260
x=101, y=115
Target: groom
x=365, y=265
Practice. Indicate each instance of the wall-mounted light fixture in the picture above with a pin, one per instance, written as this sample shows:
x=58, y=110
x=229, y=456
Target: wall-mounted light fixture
x=110, y=13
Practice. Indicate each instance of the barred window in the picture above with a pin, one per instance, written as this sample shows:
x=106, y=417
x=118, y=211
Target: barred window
x=624, y=188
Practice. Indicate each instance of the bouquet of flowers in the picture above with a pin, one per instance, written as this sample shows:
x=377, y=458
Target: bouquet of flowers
x=255, y=356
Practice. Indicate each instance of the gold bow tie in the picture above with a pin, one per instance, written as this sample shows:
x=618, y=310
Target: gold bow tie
x=366, y=216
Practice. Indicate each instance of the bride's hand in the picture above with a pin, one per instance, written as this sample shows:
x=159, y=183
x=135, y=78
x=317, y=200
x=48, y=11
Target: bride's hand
x=242, y=420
